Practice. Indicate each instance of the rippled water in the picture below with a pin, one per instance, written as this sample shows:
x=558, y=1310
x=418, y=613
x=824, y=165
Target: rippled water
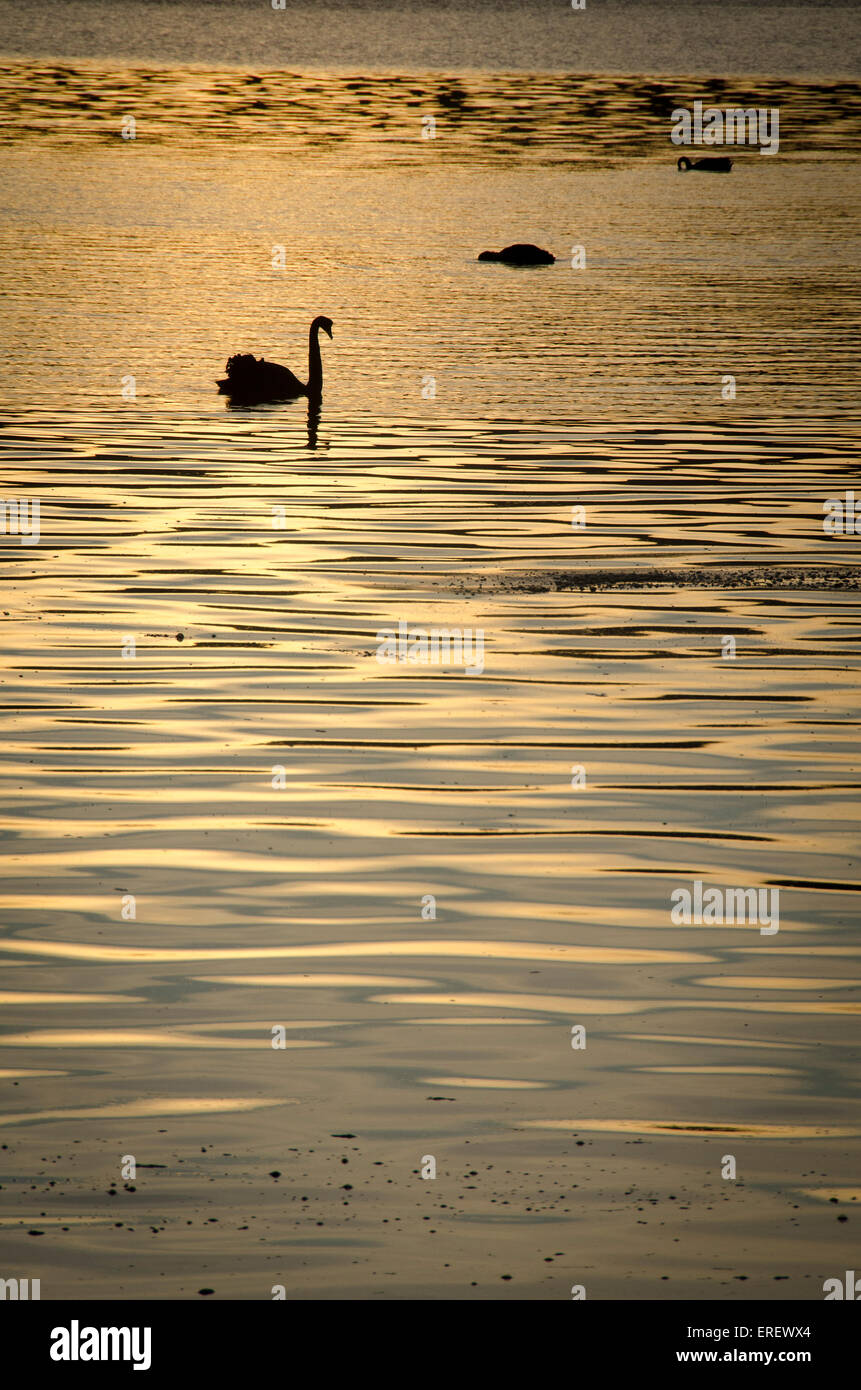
x=255, y=554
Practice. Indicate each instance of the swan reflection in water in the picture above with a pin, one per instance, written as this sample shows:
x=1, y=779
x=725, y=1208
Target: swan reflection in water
x=252, y=381
x=312, y=419
x=314, y=405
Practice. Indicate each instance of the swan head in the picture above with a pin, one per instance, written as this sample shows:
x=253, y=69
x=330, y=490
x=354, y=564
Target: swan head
x=322, y=322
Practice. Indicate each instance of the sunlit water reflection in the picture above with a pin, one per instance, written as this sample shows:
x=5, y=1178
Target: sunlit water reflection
x=254, y=569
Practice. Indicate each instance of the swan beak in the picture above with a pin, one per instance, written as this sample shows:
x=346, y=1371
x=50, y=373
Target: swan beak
x=327, y=330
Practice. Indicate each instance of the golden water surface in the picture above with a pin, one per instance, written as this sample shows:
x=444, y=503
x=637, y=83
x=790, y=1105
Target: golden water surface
x=252, y=824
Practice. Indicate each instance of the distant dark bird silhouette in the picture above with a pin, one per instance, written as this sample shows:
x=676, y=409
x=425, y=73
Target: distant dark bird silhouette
x=522, y=253
x=254, y=379
x=712, y=164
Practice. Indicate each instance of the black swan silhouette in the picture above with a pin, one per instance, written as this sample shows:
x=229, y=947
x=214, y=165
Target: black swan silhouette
x=711, y=165
x=254, y=379
x=522, y=253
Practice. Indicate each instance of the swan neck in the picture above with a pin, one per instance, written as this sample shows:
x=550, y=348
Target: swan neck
x=315, y=364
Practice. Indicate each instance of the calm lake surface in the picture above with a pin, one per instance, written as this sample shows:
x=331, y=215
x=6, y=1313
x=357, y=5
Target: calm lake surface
x=166, y=906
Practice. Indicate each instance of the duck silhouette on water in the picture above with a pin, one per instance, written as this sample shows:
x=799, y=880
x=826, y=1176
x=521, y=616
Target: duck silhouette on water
x=521, y=253
x=712, y=164
x=253, y=379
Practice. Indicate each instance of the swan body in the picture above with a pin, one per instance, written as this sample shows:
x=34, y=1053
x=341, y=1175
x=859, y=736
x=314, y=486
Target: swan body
x=521, y=253
x=249, y=375
x=711, y=164
x=253, y=378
